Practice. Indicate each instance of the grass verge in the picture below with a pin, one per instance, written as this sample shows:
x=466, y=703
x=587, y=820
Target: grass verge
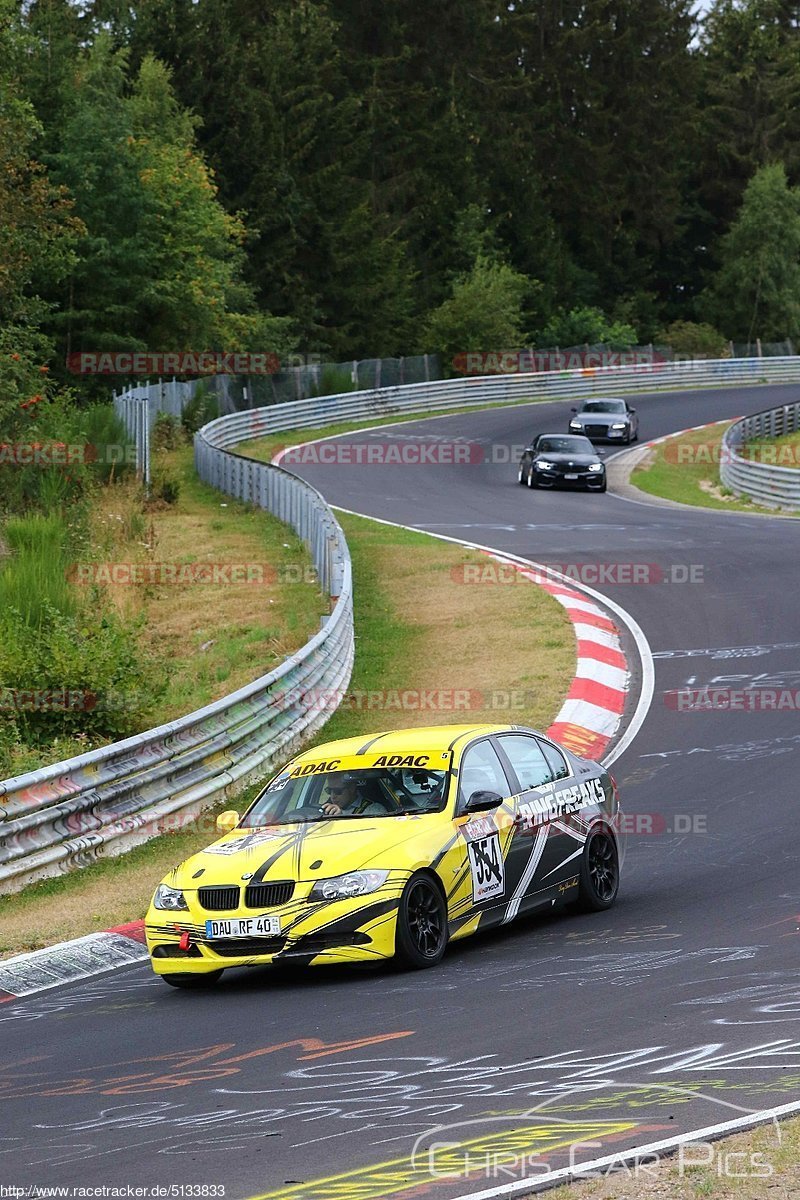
x=745, y=1166
x=210, y=637
x=430, y=649
x=685, y=468
x=777, y=452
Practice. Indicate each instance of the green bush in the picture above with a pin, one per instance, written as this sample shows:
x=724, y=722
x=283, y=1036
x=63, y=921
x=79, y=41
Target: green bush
x=690, y=339
x=332, y=381
x=33, y=578
x=165, y=486
x=83, y=673
x=167, y=432
x=202, y=408
x=586, y=326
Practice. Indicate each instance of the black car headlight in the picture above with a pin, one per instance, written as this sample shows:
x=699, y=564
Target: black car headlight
x=596, y=466
x=169, y=898
x=544, y=466
x=344, y=887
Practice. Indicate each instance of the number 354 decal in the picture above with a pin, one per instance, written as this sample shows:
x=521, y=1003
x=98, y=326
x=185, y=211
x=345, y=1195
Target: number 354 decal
x=486, y=867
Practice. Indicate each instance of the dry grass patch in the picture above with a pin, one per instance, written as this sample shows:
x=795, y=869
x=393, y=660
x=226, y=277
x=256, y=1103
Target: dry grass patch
x=211, y=637
x=498, y=651
x=764, y=1168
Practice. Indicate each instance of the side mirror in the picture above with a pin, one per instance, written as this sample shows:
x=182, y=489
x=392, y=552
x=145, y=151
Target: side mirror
x=631, y=410
x=228, y=820
x=480, y=801
x=573, y=409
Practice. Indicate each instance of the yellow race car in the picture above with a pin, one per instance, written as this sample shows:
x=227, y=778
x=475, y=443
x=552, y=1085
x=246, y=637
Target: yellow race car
x=393, y=845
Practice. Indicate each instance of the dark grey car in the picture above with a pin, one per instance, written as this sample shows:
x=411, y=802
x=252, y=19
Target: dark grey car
x=560, y=460
x=606, y=420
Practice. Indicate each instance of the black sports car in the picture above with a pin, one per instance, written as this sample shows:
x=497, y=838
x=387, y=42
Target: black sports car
x=562, y=460
x=606, y=420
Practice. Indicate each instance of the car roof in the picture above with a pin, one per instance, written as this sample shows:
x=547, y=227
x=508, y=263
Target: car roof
x=594, y=399
x=419, y=740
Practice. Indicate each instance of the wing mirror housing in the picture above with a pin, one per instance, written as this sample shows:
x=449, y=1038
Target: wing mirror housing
x=482, y=800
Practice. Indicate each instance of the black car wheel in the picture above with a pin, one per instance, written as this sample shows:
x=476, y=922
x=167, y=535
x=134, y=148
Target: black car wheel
x=521, y=475
x=178, y=980
x=599, y=878
x=530, y=477
x=422, y=932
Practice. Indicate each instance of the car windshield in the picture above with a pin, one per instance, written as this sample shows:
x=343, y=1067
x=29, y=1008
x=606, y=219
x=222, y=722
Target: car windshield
x=564, y=445
x=604, y=406
x=372, y=792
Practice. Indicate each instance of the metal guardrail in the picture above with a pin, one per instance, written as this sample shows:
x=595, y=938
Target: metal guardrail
x=103, y=802
x=766, y=483
x=445, y=394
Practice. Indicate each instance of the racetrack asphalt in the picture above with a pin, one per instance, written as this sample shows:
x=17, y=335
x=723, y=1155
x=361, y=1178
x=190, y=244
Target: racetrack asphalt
x=675, y=1010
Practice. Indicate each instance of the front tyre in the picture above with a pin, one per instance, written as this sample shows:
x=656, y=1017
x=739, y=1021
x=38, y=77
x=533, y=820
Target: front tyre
x=422, y=932
x=185, y=980
x=521, y=475
x=599, y=878
x=530, y=478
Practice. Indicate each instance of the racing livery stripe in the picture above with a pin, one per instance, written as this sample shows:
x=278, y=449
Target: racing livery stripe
x=363, y=749
x=537, y=850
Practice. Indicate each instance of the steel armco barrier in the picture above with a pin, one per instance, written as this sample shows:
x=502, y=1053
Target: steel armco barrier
x=103, y=802
x=766, y=483
x=445, y=394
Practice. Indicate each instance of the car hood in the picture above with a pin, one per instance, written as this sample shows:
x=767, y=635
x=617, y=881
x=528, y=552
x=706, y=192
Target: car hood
x=315, y=850
x=580, y=460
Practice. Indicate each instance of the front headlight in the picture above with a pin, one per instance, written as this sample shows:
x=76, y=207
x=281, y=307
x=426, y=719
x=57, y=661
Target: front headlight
x=619, y=425
x=575, y=425
x=169, y=898
x=595, y=466
x=544, y=466
x=343, y=887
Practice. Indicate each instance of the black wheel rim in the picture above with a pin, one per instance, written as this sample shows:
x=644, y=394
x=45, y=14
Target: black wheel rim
x=425, y=920
x=602, y=861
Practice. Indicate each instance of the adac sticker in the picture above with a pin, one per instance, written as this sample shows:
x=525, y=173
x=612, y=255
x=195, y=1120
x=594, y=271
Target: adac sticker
x=314, y=768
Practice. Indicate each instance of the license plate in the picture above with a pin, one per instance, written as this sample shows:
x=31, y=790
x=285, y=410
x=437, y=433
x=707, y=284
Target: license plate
x=244, y=927
x=570, y=476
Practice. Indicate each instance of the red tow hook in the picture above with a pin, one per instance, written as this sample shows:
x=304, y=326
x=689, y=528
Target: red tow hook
x=184, y=942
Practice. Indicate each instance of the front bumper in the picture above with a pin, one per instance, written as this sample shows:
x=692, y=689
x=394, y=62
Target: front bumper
x=361, y=929
x=585, y=479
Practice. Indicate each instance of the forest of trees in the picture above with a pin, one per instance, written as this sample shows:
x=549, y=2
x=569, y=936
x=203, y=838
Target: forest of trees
x=351, y=178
